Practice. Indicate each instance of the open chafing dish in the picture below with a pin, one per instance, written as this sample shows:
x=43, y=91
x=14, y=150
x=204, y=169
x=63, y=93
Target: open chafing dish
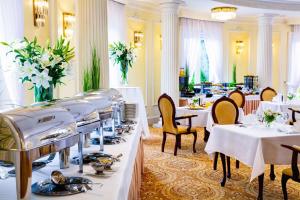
x=29, y=133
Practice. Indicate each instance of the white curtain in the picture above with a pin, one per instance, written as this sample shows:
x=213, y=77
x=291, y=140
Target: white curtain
x=116, y=32
x=191, y=33
x=294, y=62
x=11, y=29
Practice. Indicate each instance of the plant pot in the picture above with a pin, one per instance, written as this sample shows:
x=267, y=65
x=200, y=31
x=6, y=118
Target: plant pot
x=42, y=94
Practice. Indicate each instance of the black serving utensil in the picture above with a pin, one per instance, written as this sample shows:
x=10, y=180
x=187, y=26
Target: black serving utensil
x=57, y=178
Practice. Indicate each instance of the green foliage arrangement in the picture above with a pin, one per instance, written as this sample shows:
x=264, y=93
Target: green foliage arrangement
x=191, y=85
x=234, y=73
x=43, y=67
x=91, y=75
x=123, y=55
x=203, y=77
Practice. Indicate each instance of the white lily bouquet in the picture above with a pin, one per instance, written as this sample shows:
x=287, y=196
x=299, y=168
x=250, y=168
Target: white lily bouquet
x=43, y=67
x=123, y=55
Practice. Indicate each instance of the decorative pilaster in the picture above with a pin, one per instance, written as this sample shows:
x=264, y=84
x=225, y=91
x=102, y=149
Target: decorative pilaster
x=92, y=31
x=264, y=50
x=170, y=40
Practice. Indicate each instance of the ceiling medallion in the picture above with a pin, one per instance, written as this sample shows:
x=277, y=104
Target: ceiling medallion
x=223, y=13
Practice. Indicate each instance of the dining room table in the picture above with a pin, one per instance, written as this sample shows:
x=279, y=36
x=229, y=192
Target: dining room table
x=254, y=144
x=279, y=106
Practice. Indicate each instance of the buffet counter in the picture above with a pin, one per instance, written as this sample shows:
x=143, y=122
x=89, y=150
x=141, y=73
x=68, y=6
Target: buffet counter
x=121, y=183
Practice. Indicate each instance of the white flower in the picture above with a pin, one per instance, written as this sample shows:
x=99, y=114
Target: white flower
x=28, y=69
x=56, y=60
x=128, y=57
x=42, y=79
x=45, y=59
x=119, y=52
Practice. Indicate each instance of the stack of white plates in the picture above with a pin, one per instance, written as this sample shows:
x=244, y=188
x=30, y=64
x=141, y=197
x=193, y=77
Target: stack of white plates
x=130, y=110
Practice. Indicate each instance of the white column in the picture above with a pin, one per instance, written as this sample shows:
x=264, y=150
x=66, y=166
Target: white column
x=170, y=41
x=264, y=50
x=92, y=31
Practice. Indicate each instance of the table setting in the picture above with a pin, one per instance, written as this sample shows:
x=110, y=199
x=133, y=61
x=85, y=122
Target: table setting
x=255, y=141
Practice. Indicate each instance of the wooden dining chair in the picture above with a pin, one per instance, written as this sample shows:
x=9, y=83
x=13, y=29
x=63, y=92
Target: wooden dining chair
x=224, y=111
x=293, y=115
x=238, y=97
x=168, y=112
x=292, y=172
x=267, y=94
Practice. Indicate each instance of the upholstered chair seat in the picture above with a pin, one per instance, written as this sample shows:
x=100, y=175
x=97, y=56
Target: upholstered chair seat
x=184, y=129
x=168, y=112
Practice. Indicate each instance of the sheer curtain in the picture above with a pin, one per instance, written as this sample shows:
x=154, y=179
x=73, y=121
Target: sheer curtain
x=11, y=29
x=116, y=32
x=192, y=31
x=294, y=62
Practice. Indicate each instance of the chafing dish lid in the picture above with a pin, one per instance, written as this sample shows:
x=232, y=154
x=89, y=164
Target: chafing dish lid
x=112, y=93
x=99, y=101
x=24, y=128
x=79, y=108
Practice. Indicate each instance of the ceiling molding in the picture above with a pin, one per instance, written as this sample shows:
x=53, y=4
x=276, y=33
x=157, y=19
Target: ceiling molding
x=287, y=5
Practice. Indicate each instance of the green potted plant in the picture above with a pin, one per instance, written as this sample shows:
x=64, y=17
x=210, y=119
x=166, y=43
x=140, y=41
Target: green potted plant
x=91, y=75
x=124, y=56
x=43, y=67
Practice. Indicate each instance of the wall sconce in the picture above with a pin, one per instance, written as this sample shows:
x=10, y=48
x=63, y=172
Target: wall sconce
x=138, y=36
x=40, y=11
x=239, y=47
x=68, y=24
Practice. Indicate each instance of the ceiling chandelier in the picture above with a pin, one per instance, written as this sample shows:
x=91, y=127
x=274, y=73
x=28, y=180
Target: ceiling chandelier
x=223, y=13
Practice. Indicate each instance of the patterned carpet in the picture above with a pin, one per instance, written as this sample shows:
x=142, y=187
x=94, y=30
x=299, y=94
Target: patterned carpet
x=190, y=176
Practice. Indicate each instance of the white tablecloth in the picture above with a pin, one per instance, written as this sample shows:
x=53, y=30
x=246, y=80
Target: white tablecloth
x=115, y=184
x=200, y=120
x=277, y=107
x=255, y=145
x=134, y=95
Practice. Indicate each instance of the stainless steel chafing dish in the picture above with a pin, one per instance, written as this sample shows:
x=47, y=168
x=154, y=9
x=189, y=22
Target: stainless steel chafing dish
x=30, y=133
x=103, y=106
x=118, y=104
x=87, y=120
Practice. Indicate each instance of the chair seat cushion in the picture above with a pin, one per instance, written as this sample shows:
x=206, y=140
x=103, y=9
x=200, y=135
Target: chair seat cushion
x=183, y=129
x=288, y=171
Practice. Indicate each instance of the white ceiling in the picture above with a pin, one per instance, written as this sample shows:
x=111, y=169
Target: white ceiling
x=247, y=9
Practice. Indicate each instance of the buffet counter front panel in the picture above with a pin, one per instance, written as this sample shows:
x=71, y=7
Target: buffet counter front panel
x=121, y=183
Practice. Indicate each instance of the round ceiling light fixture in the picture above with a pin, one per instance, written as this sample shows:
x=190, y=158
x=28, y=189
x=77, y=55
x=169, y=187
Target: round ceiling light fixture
x=223, y=13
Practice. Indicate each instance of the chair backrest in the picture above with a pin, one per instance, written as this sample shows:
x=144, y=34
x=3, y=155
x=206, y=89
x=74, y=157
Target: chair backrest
x=167, y=111
x=238, y=97
x=267, y=94
x=225, y=111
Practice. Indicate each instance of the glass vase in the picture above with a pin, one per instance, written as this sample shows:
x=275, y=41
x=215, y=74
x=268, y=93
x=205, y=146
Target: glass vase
x=124, y=73
x=42, y=94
